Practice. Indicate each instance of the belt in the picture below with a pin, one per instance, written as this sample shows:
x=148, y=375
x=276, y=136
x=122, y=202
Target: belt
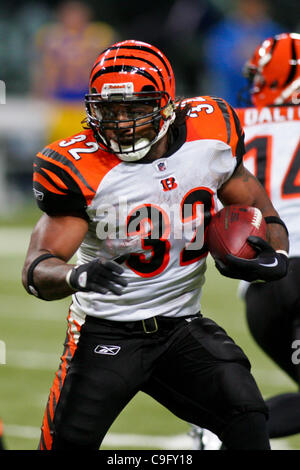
x=148, y=326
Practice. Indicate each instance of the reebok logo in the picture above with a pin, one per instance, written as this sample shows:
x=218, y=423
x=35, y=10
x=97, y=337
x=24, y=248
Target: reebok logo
x=107, y=349
x=38, y=194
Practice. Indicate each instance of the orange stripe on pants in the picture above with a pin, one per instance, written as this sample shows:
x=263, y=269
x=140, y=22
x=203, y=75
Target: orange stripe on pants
x=47, y=425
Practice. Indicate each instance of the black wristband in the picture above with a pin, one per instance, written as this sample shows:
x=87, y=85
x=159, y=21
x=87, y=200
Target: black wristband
x=272, y=219
x=30, y=284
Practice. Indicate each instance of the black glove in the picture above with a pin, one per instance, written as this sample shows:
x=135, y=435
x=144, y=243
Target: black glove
x=267, y=266
x=97, y=277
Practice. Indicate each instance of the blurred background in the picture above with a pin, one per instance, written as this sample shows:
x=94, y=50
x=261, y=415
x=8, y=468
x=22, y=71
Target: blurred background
x=46, y=51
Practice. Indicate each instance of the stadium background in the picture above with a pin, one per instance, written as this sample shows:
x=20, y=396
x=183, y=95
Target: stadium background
x=192, y=34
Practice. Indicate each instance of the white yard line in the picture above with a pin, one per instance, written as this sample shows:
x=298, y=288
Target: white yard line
x=180, y=441
x=34, y=360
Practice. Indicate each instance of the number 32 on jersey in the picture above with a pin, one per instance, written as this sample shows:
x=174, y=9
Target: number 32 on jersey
x=153, y=223
x=90, y=147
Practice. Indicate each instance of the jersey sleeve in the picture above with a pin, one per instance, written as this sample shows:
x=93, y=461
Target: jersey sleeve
x=234, y=136
x=59, y=188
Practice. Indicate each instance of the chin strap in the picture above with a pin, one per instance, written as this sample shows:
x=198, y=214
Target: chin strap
x=143, y=145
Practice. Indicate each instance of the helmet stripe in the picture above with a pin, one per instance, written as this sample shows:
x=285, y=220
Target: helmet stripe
x=124, y=68
x=146, y=49
x=293, y=63
x=273, y=45
x=143, y=60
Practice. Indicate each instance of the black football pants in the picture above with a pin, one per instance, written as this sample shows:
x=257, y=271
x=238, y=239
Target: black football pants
x=191, y=367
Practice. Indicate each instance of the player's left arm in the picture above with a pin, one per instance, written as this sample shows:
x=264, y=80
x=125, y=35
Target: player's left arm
x=271, y=262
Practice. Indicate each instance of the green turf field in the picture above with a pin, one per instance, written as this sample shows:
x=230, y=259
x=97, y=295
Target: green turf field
x=33, y=332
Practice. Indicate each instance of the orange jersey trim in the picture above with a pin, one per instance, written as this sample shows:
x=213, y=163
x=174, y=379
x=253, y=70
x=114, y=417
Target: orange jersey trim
x=45, y=183
x=56, y=179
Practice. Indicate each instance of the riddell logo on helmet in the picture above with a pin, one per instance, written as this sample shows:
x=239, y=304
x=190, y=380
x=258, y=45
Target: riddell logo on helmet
x=117, y=88
x=117, y=85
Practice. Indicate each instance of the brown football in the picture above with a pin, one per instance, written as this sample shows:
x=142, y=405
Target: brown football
x=229, y=229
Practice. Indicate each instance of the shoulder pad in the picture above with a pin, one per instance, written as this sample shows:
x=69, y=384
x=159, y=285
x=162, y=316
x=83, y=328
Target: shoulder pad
x=211, y=117
x=70, y=169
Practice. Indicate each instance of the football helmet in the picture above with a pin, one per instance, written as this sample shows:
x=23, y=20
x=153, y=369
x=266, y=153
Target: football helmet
x=131, y=85
x=274, y=70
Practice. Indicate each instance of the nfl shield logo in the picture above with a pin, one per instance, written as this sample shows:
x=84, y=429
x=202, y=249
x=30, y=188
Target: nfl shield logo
x=161, y=166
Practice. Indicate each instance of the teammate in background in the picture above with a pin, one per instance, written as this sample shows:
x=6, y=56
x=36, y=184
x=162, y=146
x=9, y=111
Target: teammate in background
x=272, y=130
x=119, y=193
x=272, y=139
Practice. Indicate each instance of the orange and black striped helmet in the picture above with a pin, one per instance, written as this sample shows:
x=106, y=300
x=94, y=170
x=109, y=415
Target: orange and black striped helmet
x=274, y=70
x=130, y=73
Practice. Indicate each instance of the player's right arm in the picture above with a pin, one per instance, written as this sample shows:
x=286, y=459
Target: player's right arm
x=59, y=236
x=54, y=278
x=63, y=192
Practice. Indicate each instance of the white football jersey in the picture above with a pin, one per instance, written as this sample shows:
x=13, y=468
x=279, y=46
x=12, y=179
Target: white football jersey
x=272, y=141
x=156, y=213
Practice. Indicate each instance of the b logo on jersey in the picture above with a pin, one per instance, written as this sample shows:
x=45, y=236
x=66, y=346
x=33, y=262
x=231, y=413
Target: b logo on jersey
x=169, y=183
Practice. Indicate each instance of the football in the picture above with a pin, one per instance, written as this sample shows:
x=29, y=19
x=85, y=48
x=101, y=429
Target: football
x=229, y=229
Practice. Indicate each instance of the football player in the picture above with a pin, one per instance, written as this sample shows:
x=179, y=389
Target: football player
x=272, y=138
x=132, y=194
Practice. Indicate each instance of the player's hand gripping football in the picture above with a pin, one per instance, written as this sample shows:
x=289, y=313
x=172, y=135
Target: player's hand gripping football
x=269, y=265
x=97, y=276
